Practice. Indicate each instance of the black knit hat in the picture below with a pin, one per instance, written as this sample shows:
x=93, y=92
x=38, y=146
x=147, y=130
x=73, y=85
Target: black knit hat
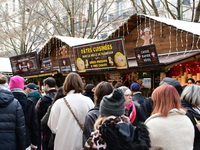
x=113, y=104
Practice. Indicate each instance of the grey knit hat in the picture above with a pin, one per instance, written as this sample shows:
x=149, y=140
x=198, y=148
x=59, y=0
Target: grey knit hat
x=113, y=104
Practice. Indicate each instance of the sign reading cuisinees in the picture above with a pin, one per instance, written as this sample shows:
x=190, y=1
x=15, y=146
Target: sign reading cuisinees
x=108, y=54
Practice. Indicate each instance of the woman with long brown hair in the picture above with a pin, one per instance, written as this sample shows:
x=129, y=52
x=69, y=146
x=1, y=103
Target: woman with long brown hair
x=169, y=127
x=67, y=115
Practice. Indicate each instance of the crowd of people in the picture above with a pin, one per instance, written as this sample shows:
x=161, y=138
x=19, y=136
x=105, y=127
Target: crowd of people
x=98, y=117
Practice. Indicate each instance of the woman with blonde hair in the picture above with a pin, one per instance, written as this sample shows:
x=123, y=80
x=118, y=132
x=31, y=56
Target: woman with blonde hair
x=190, y=99
x=169, y=127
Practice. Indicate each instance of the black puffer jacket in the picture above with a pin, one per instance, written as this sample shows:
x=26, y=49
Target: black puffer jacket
x=12, y=123
x=32, y=136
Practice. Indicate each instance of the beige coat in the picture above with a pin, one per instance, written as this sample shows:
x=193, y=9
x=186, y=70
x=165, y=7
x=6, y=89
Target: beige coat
x=174, y=132
x=63, y=124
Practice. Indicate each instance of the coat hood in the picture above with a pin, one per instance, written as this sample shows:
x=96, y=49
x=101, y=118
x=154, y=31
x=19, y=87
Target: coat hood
x=5, y=97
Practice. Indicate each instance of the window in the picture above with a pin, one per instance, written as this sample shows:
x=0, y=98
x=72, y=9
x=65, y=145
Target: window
x=157, y=3
x=186, y=2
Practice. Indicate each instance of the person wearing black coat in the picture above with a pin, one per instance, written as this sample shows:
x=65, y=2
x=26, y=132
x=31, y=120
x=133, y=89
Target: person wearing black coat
x=12, y=122
x=190, y=100
x=102, y=89
x=89, y=91
x=41, y=108
x=16, y=85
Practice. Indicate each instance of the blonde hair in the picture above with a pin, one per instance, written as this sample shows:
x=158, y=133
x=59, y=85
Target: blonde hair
x=99, y=121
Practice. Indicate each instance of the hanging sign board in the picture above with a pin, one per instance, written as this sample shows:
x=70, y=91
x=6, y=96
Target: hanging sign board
x=101, y=55
x=47, y=65
x=65, y=65
x=146, y=55
x=26, y=64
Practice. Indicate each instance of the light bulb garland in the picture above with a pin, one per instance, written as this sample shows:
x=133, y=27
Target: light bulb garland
x=154, y=30
x=150, y=28
x=138, y=32
x=127, y=27
x=160, y=29
x=123, y=30
x=170, y=42
x=192, y=43
x=186, y=42
x=197, y=46
x=181, y=38
x=177, y=40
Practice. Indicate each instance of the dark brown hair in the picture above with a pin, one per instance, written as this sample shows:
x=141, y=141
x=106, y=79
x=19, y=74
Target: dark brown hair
x=3, y=79
x=73, y=82
x=165, y=98
x=50, y=81
x=102, y=89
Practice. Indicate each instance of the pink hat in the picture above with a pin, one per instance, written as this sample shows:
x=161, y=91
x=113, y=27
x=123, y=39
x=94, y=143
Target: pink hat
x=16, y=82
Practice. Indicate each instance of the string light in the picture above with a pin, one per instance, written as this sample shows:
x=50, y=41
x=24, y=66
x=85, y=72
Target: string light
x=138, y=32
x=160, y=29
x=150, y=29
x=182, y=38
x=154, y=30
x=123, y=29
x=197, y=46
x=186, y=42
x=170, y=42
x=177, y=40
x=127, y=27
x=192, y=43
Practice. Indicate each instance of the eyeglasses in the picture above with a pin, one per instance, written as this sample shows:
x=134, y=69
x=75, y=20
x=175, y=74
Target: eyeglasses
x=128, y=95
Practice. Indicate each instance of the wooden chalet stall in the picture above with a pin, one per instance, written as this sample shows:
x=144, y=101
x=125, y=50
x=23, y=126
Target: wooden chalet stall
x=55, y=58
x=173, y=42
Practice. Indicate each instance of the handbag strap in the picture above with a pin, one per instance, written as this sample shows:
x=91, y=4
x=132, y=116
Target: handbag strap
x=66, y=102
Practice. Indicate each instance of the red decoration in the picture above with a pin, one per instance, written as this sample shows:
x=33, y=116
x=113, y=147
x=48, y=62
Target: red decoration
x=191, y=67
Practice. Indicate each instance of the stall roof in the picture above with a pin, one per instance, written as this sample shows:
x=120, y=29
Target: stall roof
x=133, y=21
x=71, y=41
x=5, y=65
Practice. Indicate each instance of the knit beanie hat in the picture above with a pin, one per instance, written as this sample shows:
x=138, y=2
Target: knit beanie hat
x=16, y=82
x=113, y=104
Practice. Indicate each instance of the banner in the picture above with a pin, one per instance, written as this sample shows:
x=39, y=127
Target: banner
x=100, y=55
x=146, y=55
x=65, y=65
x=26, y=64
x=47, y=65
